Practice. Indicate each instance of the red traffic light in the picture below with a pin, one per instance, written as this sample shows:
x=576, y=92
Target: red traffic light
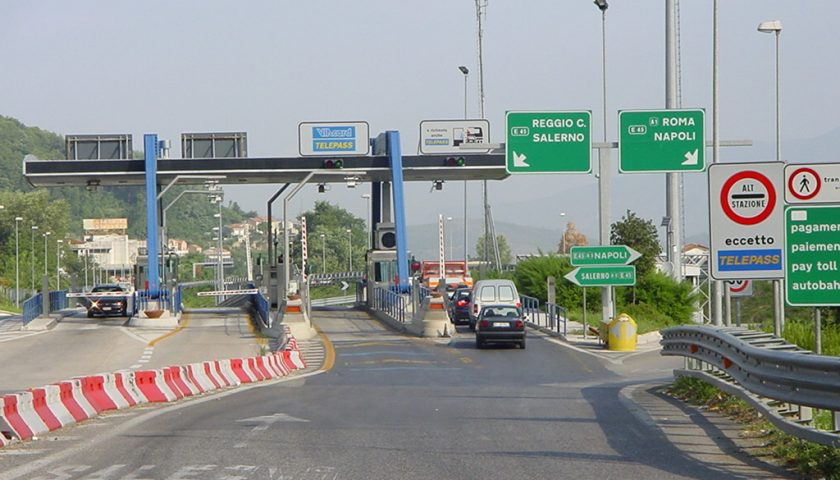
x=455, y=161
x=333, y=163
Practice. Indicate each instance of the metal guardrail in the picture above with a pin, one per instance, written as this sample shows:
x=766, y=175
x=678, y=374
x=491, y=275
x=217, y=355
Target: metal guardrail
x=779, y=379
x=32, y=307
x=552, y=318
x=557, y=314
x=390, y=303
x=58, y=300
x=531, y=307
x=142, y=298
x=325, y=302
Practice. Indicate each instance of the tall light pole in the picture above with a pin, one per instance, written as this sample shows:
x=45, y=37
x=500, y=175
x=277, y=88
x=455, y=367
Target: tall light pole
x=324, y=253
x=46, y=234
x=32, y=244
x=58, y=244
x=350, y=249
x=563, y=238
x=17, y=260
x=466, y=72
x=775, y=26
x=366, y=196
x=604, y=172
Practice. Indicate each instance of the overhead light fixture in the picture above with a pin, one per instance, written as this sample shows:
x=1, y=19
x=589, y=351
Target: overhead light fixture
x=437, y=185
x=601, y=4
x=464, y=69
x=92, y=185
x=666, y=222
x=322, y=187
x=351, y=181
x=770, y=27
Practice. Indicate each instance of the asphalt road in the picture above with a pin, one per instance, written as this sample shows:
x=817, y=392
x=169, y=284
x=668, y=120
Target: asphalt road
x=397, y=407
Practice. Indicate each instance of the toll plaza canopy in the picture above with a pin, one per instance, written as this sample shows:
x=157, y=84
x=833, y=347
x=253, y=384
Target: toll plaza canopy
x=269, y=170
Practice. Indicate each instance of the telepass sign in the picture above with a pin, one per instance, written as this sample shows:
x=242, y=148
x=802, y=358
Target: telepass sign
x=746, y=221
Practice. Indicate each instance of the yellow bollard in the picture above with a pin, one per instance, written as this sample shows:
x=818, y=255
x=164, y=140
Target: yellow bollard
x=622, y=334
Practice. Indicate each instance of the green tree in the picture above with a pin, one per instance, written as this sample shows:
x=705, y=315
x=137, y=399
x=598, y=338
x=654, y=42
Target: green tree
x=504, y=249
x=639, y=234
x=333, y=222
x=531, y=278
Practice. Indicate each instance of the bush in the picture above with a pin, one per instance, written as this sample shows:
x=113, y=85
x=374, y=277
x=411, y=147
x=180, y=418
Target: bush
x=531, y=279
x=670, y=298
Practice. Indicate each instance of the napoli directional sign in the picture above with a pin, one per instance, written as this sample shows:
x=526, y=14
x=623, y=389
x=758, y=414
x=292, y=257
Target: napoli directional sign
x=661, y=141
x=603, y=255
x=603, y=276
x=549, y=142
x=815, y=183
x=812, y=236
x=333, y=138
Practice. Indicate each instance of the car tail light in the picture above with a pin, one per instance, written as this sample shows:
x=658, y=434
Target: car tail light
x=519, y=324
x=461, y=303
x=484, y=324
x=518, y=304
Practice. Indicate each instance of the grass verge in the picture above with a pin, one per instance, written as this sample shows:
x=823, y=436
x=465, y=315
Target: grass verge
x=808, y=459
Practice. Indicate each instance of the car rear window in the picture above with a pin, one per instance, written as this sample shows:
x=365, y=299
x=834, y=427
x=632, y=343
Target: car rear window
x=506, y=293
x=501, y=311
x=107, y=289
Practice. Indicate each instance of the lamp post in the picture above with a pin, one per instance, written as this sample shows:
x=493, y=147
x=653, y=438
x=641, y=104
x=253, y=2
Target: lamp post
x=604, y=172
x=466, y=72
x=775, y=26
x=58, y=263
x=324, y=253
x=46, y=234
x=350, y=249
x=366, y=196
x=17, y=260
x=563, y=238
x=32, y=244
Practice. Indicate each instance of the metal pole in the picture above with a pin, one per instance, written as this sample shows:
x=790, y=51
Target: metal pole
x=286, y=228
x=780, y=292
x=717, y=285
x=466, y=248
x=17, y=261
x=604, y=172
x=672, y=180
x=350, y=250
x=32, y=244
x=221, y=258
x=87, y=268
x=817, y=331
x=46, y=234
x=727, y=300
x=324, y=252
x=738, y=312
x=58, y=264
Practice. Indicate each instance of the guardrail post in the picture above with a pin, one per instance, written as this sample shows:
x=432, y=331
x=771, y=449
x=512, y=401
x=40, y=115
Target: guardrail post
x=835, y=421
x=806, y=414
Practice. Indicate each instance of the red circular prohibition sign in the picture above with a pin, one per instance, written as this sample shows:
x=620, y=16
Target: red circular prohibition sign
x=771, y=198
x=741, y=288
x=792, y=185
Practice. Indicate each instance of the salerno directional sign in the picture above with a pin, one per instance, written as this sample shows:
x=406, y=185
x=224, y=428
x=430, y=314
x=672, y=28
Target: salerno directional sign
x=661, y=141
x=603, y=255
x=549, y=142
x=746, y=220
x=447, y=136
x=812, y=236
x=333, y=138
x=816, y=183
x=604, y=276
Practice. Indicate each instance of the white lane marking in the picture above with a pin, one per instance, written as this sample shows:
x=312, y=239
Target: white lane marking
x=135, y=366
x=23, y=336
x=240, y=445
x=133, y=335
x=388, y=352
x=380, y=369
x=117, y=430
x=143, y=360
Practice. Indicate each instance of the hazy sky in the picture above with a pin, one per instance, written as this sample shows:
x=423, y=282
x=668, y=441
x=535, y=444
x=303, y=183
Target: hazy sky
x=264, y=66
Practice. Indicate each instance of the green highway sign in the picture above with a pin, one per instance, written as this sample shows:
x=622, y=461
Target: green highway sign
x=603, y=255
x=661, y=141
x=812, y=257
x=605, y=276
x=549, y=142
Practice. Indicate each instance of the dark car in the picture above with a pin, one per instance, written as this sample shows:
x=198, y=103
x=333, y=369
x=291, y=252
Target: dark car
x=500, y=324
x=112, y=300
x=459, y=306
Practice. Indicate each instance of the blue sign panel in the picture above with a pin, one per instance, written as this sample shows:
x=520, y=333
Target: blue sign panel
x=333, y=138
x=749, y=260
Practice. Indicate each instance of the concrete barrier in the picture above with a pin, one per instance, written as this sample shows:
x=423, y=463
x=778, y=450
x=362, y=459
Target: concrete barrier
x=150, y=386
x=73, y=400
x=56, y=405
x=20, y=416
x=127, y=390
x=93, y=389
x=44, y=411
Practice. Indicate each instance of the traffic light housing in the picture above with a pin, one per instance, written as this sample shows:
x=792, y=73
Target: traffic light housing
x=456, y=161
x=333, y=163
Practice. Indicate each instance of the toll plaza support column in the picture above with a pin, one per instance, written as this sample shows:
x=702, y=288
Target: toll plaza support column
x=395, y=159
x=150, y=146
x=375, y=209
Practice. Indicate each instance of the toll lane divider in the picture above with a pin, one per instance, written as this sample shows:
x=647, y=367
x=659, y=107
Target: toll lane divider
x=25, y=415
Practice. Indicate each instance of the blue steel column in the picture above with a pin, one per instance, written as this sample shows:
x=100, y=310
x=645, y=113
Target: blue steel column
x=150, y=146
x=395, y=158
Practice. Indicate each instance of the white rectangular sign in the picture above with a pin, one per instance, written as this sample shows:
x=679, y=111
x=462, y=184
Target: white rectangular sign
x=333, y=139
x=746, y=220
x=447, y=136
x=813, y=183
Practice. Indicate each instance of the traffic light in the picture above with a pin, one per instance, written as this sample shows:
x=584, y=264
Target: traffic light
x=456, y=161
x=333, y=163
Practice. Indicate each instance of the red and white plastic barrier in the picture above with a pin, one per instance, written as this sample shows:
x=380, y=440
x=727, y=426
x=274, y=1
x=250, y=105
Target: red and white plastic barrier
x=25, y=415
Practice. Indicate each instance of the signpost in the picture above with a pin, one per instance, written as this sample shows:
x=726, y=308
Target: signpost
x=812, y=239
x=603, y=255
x=549, y=142
x=746, y=221
x=447, y=136
x=815, y=183
x=603, y=276
x=661, y=141
x=317, y=139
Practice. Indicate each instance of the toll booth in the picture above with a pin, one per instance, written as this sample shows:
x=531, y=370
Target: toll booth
x=381, y=268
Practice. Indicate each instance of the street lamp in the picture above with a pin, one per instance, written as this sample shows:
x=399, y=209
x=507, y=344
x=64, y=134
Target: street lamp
x=32, y=244
x=45, y=234
x=466, y=72
x=366, y=196
x=58, y=263
x=563, y=238
x=17, y=260
x=324, y=253
x=350, y=249
x=775, y=26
